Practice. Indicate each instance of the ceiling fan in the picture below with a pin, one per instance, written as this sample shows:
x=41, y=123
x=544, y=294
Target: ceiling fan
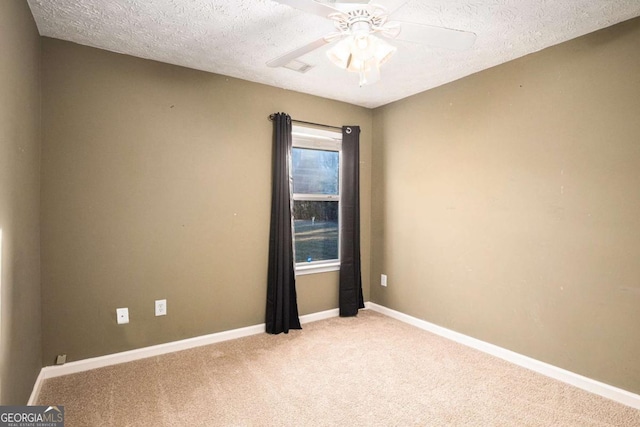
x=358, y=24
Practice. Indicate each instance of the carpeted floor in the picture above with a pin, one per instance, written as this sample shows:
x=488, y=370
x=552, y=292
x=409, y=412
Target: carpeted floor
x=364, y=371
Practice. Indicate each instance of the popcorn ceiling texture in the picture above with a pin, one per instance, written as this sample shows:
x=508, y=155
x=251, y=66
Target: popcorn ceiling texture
x=237, y=38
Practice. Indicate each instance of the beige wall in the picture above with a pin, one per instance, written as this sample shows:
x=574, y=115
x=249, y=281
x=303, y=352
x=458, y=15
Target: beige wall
x=156, y=184
x=507, y=205
x=20, y=351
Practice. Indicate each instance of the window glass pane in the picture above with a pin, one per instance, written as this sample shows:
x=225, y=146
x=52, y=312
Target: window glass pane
x=315, y=171
x=316, y=230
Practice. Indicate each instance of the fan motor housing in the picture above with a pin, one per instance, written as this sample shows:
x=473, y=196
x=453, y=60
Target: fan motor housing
x=354, y=20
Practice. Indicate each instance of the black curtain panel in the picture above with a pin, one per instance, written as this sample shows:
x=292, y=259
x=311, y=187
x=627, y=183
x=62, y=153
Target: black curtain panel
x=282, y=305
x=350, y=291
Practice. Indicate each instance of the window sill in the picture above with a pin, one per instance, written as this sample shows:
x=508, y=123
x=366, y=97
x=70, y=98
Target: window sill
x=303, y=269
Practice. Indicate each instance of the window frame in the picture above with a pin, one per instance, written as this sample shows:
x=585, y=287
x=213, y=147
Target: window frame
x=325, y=140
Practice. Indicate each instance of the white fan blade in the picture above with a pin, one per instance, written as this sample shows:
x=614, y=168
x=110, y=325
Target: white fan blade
x=330, y=38
x=391, y=29
x=310, y=6
x=290, y=56
x=436, y=36
x=393, y=5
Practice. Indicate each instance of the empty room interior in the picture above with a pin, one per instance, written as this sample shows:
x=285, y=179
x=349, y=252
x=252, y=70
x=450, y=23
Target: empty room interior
x=498, y=207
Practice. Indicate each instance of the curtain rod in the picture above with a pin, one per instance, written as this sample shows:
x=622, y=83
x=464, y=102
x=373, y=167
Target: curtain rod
x=271, y=117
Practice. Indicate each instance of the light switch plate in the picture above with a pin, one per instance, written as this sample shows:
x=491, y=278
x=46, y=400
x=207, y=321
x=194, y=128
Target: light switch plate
x=122, y=315
x=383, y=280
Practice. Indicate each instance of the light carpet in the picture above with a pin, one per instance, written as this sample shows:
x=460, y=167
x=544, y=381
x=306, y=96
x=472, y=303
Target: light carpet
x=362, y=371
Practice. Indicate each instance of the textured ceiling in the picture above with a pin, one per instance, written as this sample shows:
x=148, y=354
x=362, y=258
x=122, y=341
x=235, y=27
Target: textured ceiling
x=237, y=38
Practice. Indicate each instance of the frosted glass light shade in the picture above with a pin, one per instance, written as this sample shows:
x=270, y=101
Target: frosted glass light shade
x=359, y=55
x=341, y=52
x=383, y=50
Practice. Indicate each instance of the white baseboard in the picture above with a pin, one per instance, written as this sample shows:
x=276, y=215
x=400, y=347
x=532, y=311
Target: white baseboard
x=157, y=350
x=36, y=389
x=588, y=384
x=321, y=315
x=144, y=352
x=605, y=390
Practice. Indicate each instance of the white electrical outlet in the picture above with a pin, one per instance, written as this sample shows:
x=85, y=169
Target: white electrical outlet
x=122, y=315
x=383, y=280
x=161, y=307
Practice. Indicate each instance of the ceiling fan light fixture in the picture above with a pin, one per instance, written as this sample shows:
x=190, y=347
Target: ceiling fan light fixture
x=382, y=50
x=363, y=55
x=340, y=53
x=357, y=46
x=362, y=42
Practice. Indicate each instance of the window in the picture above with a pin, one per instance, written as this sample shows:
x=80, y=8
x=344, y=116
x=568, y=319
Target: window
x=315, y=160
